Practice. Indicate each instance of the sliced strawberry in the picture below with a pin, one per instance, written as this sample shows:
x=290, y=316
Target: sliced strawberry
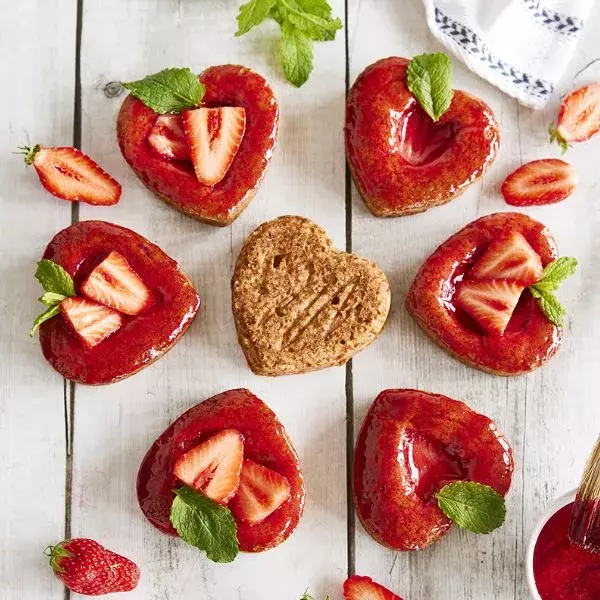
x=114, y=283
x=358, y=587
x=213, y=136
x=167, y=138
x=490, y=303
x=261, y=492
x=540, y=182
x=579, y=115
x=71, y=175
x=509, y=257
x=91, y=321
x=213, y=467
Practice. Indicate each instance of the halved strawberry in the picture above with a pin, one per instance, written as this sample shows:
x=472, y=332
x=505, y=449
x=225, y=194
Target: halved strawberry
x=358, y=587
x=91, y=321
x=213, y=467
x=490, y=303
x=578, y=117
x=71, y=175
x=213, y=136
x=509, y=257
x=114, y=283
x=262, y=491
x=540, y=182
x=167, y=138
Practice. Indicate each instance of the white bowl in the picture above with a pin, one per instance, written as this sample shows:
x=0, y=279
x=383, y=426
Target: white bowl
x=554, y=506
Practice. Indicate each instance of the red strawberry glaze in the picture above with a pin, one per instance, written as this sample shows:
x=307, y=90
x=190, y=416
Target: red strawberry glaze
x=265, y=442
x=562, y=570
x=142, y=339
x=175, y=181
x=410, y=445
x=401, y=160
x=530, y=339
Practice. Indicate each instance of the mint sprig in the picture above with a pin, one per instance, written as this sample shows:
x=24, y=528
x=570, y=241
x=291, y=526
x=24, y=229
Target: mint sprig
x=302, y=23
x=57, y=284
x=205, y=524
x=168, y=91
x=429, y=78
x=543, y=290
x=473, y=506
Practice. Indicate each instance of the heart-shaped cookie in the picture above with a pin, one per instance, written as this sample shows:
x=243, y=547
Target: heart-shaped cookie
x=507, y=242
x=403, y=162
x=175, y=180
x=141, y=339
x=299, y=304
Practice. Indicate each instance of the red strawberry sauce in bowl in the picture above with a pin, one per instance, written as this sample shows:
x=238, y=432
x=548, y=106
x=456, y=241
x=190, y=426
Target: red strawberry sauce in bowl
x=556, y=568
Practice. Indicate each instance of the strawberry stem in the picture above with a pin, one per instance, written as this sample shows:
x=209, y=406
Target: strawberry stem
x=55, y=553
x=555, y=136
x=29, y=153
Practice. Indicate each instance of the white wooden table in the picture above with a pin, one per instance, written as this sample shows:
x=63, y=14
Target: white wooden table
x=69, y=454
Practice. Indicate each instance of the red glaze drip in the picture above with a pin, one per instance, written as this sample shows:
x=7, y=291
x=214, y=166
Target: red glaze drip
x=143, y=338
x=175, y=181
x=401, y=160
x=562, y=570
x=410, y=445
x=265, y=442
x=530, y=338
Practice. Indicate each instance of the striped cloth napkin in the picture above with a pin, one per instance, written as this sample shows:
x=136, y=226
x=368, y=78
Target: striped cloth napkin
x=521, y=46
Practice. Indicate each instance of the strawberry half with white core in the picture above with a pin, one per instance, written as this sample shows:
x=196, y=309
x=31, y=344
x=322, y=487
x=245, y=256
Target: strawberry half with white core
x=540, y=182
x=509, y=257
x=490, y=303
x=168, y=139
x=213, y=467
x=114, y=283
x=262, y=491
x=91, y=321
x=70, y=174
x=213, y=136
x=358, y=587
x=578, y=117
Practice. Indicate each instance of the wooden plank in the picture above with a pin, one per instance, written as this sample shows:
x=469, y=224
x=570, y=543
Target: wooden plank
x=542, y=413
x=116, y=424
x=38, y=105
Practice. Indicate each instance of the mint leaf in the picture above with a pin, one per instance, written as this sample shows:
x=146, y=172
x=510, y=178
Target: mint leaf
x=317, y=27
x=555, y=136
x=169, y=91
x=297, y=54
x=54, y=278
x=51, y=298
x=429, y=78
x=543, y=290
x=205, y=524
x=252, y=14
x=473, y=506
x=48, y=314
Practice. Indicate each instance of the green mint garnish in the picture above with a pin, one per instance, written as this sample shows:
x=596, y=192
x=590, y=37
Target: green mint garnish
x=302, y=23
x=205, y=524
x=555, y=136
x=169, y=91
x=429, y=78
x=57, y=284
x=543, y=290
x=473, y=506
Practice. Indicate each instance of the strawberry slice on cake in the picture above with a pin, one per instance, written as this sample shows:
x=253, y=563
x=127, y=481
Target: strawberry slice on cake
x=167, y=138
x=358, y=587
x=91, y=321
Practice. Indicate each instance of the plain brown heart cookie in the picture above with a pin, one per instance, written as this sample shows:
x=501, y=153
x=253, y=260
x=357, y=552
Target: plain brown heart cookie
x=299, y=304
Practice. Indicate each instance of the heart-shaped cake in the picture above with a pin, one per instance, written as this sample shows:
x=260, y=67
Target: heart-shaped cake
x=403, y=162
x=129, y=303
x=477, y=297
x=411, y=444
x=206, y=163
x=251, y=460
x=299, y=304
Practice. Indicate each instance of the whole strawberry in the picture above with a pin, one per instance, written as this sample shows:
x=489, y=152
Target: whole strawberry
x=86, y=567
